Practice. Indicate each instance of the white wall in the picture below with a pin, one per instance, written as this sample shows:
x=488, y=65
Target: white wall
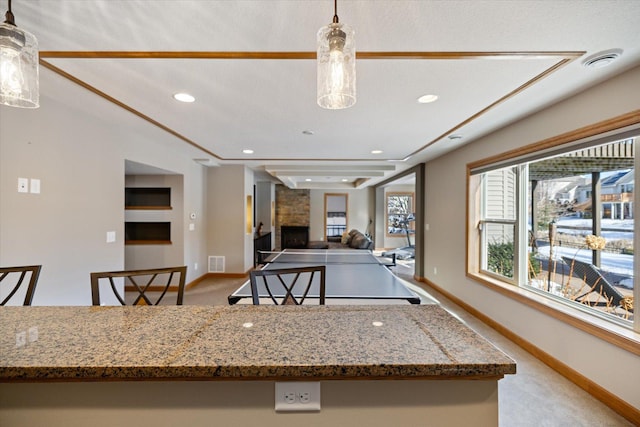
x=79, y=157
x=614, y=369
x=359, y=210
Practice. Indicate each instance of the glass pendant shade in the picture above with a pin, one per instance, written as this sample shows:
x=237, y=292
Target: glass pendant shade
x=18, y=68
x=336, y=66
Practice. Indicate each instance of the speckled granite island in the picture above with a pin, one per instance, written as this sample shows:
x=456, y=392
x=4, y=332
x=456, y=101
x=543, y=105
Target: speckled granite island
x=112, y=363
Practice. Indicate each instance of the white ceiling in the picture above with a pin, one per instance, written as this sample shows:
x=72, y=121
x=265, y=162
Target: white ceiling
x=490, y=63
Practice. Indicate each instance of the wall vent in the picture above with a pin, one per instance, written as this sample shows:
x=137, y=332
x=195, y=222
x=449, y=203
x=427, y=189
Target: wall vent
x=216, y=264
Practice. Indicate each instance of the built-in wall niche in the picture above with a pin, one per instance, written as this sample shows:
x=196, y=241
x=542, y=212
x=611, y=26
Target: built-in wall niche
x=150, y=198
x=147, y=233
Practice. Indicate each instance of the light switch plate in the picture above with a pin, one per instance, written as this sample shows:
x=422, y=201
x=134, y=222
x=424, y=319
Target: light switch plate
x=35, y=186
x=111, y=236
x=23, y=185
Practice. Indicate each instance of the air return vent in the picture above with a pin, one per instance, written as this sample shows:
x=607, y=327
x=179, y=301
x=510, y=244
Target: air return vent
x=602, y=59
x=216, y=264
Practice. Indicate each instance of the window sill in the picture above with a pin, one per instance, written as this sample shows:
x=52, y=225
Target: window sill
x=620, y=336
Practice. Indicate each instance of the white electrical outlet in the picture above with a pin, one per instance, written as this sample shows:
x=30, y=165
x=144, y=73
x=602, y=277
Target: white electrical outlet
x=295, y=396
x=305, y=397
x=195, y=266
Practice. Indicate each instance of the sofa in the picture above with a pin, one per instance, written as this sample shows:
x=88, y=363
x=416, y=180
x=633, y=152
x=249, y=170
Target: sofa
x=355, y=239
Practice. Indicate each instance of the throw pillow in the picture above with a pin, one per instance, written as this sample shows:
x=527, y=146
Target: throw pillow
x=345, y=238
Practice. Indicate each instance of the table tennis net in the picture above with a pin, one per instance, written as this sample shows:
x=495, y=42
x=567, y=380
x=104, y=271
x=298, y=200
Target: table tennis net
x=321, y=257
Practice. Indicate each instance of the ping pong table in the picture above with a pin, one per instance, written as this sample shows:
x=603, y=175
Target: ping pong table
x=352, y=276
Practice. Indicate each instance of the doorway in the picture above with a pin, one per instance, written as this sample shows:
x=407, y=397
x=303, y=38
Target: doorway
x=335, y=216
x=400, y=200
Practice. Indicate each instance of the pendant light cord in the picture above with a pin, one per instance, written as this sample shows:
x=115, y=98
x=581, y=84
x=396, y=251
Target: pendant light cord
x=335, y=11
x=9, y=18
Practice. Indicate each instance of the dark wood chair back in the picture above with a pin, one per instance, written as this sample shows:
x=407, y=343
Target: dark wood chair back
x=21, y=273
x=285, y=286
x=158, y=280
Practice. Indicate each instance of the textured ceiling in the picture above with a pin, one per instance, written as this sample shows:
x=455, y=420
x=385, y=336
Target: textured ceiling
x=251, y=67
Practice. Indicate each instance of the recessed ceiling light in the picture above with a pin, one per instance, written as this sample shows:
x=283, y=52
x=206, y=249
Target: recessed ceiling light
x=308, y=179
x=425, y=99
x=602, y=59
x=247, y=151
x=345, y=180
x=183, y=97
x=376, y=151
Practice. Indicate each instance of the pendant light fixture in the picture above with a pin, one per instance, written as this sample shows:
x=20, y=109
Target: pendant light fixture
x=18, y=65
x=336, y=64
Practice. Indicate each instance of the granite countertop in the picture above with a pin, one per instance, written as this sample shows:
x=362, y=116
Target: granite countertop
x=243, y=343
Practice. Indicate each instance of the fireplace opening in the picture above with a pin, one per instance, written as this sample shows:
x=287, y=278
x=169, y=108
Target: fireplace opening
x=294, y=236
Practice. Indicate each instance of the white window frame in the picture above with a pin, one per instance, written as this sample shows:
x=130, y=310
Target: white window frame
x=511, y=222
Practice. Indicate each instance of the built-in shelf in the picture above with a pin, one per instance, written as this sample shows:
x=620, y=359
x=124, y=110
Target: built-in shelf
x=147, y=208
x=147, y=242
x=147, y=233
x=147, y=198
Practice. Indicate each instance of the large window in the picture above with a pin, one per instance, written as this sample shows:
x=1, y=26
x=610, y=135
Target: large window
x=560, y=226
x=400, y=214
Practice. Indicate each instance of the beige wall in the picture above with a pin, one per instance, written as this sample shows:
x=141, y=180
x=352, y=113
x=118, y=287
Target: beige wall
x=248, y=217
x=614, y=369
x=265, y=195
x=79, y=158
x=248, y=403
x=227, y=190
